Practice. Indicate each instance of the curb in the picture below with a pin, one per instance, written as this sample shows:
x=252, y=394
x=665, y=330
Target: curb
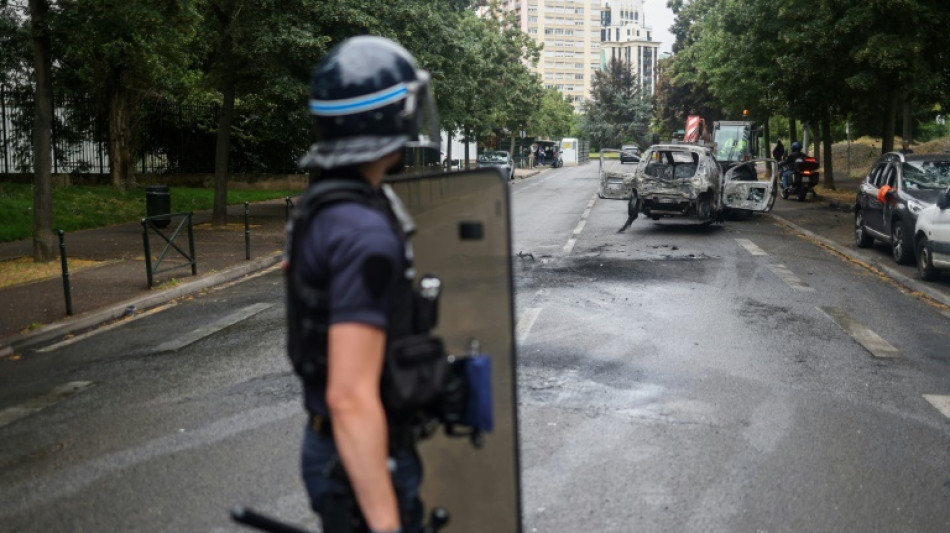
x=24, y=341
x=898, y=277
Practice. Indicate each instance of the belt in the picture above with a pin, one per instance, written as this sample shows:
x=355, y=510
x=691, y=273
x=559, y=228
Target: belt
x=400, y=435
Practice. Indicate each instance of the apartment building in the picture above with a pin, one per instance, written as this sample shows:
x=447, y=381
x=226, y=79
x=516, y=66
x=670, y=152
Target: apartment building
x=575, y=38
x=625, y=37
x=570, y=32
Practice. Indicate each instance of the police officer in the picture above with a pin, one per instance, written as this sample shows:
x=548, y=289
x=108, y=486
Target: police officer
x=349, y=285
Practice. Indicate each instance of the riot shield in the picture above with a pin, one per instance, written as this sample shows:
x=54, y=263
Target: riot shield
x=614, y=173
x=463, y=237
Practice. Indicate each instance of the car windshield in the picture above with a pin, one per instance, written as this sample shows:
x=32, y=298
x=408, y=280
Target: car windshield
x=931, y=174
x=629, y=149
x=493, y=157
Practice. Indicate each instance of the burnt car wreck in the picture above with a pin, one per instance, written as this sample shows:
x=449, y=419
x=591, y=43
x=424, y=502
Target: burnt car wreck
x=684, y=180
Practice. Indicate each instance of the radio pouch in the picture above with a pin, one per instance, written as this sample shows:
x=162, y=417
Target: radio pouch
x=415, y=370
x=478, y=412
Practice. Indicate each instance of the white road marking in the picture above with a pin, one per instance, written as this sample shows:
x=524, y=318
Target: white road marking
x=212, y=328
x=525, y=323
x=790, y=279
x=751, y=247
x=569, y=247
x=863, y=335
x=103, y=329
x=941, y=402
x=12, y=414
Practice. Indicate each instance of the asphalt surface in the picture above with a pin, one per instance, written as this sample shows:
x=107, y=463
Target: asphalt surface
x=35, y=313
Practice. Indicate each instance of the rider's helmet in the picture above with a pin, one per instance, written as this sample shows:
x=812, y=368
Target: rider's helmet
x=368, y=99
x=796, y=146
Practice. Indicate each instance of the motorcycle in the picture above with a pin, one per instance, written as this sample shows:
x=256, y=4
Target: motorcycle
x=803, y=179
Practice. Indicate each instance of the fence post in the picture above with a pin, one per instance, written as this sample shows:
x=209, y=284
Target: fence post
x=191, y=245
x=247, y=231
x=148, y=252
x=66, y=290
x=3, y=127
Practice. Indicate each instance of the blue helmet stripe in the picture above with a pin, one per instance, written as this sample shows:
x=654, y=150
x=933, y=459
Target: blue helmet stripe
x=359, y=103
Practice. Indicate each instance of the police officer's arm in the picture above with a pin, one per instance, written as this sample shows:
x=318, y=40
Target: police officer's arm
x=359, y=422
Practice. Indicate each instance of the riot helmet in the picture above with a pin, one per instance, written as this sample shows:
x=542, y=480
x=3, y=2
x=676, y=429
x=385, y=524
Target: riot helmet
x=368, y=99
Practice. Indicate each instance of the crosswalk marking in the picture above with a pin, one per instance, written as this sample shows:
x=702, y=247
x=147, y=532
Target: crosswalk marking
x=12, y=414
x=790, y=279
x=212, y=328
x=941, y=402
x=864, y=336
x=751, y=247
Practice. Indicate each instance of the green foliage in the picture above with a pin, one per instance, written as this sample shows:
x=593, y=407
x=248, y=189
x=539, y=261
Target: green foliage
x=81, y=207
x=617, y=111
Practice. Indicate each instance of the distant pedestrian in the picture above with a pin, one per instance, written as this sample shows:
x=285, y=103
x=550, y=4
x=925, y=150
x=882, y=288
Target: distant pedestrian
x=779, y=151
x=540, y=155
x=905, y=148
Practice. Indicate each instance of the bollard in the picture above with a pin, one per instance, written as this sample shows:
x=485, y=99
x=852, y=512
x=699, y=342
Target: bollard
x=148, y=253
x=66, y=290
x=288, y=205
x=247, y=232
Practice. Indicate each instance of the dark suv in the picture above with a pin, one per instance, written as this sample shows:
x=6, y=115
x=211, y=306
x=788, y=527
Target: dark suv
x=915, y=182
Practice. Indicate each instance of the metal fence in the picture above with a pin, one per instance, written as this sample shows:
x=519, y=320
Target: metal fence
x=172, y=139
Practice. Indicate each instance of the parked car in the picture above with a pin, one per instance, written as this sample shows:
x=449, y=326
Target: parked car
x=897, y=188
x=932, y=238
x=629, y=153
x=499, y=159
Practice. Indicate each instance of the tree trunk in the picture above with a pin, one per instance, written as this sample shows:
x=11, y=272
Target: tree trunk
x=792, y=132
x=816, y=130
x=121, y=126
x=908, y=126
x=890, y=121
x=44, y=242
x=219, y=217
x=826, y=143
x=766, y=135
x=448, y=148
x=465, y=140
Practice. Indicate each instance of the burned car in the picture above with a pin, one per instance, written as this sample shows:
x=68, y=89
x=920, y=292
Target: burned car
x=685, y=180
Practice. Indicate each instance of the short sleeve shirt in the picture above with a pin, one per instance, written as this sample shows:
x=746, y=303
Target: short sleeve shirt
x=354, y=248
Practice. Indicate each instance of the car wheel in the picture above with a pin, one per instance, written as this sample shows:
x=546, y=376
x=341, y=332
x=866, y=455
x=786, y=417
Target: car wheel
x=632, y=210
x=925, y=264
x=861, y=238
x=899, y=246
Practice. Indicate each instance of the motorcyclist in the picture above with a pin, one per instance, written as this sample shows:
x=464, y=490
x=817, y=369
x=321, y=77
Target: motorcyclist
x=793, y=156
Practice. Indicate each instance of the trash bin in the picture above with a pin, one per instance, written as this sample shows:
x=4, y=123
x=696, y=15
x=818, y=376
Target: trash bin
x=158, y=201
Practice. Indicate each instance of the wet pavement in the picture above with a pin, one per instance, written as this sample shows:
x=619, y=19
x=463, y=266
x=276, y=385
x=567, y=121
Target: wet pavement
x=35, y=313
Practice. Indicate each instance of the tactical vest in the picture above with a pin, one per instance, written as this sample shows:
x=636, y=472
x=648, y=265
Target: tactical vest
x=414, y=370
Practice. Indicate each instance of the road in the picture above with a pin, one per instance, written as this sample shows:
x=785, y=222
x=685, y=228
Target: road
x=673, y=377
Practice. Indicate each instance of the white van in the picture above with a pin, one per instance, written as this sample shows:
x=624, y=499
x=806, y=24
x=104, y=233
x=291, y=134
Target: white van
x=573, y=152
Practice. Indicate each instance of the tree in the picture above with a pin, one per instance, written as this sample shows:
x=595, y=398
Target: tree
x=123, y=52
x=43, y=240
x=617, y=111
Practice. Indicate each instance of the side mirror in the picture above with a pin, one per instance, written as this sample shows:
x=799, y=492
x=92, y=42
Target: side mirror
x=943, y=201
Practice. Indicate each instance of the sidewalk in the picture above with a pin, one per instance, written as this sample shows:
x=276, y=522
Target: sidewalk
x=35, y=313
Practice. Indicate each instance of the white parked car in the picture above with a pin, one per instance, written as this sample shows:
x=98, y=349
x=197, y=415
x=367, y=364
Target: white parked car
x=932, y=238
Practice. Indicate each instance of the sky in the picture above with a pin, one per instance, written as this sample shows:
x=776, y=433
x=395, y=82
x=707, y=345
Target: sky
x=660, y=18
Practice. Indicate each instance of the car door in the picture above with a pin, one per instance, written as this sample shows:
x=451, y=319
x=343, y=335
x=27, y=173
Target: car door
x=885, y=174
x=751, y=185
x=940, y=236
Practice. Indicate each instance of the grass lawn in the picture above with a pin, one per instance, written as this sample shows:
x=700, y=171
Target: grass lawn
x=79, y=207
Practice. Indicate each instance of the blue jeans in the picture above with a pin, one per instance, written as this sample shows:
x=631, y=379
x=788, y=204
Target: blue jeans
x=785, y=175
x=330, y=493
